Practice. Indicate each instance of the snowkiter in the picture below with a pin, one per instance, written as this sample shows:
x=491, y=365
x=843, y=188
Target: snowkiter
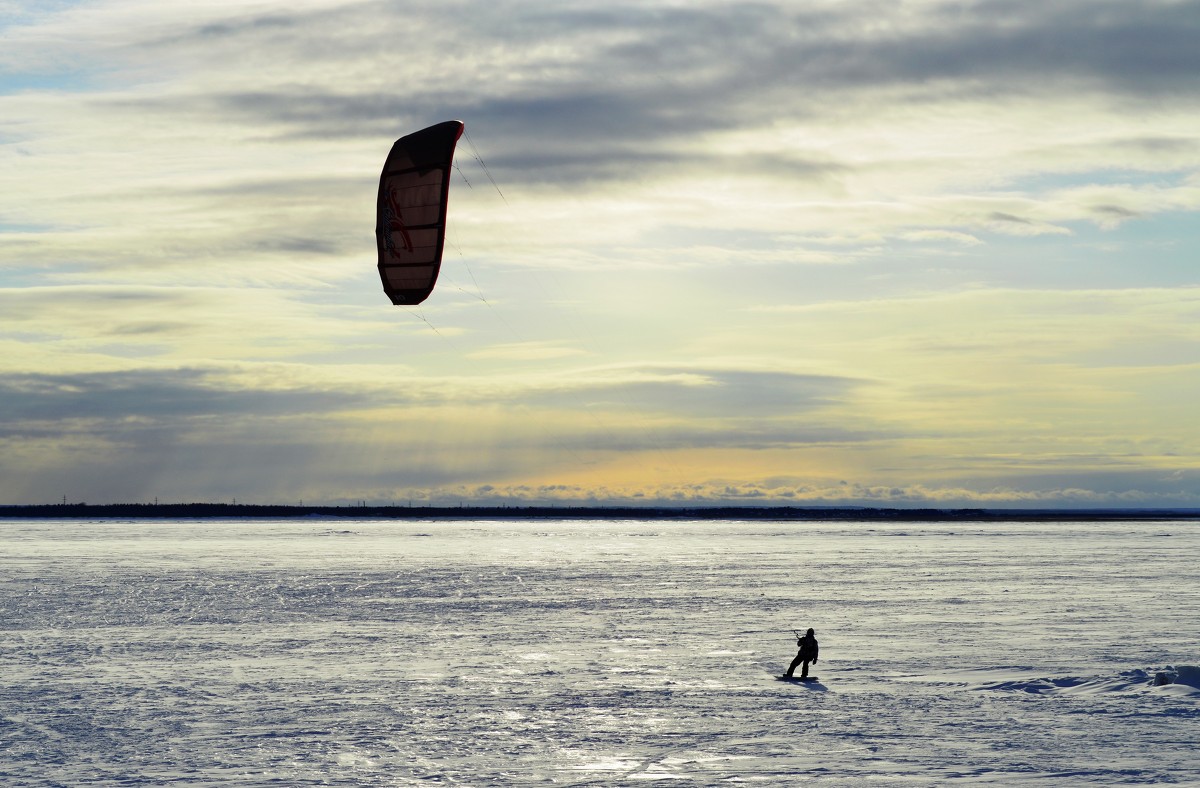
x=806, y=654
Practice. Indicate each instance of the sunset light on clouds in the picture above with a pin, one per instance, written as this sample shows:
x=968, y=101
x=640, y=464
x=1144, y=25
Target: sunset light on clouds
x=902, y=253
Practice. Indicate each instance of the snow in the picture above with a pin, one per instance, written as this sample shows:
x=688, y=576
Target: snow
x=596, y=653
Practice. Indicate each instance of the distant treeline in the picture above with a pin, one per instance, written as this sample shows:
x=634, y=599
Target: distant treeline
x=799, y=513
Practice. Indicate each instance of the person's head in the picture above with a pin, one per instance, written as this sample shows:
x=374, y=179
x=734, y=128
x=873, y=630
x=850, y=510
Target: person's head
x=810, y=632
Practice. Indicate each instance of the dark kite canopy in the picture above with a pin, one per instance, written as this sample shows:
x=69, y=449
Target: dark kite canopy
x=410, y=223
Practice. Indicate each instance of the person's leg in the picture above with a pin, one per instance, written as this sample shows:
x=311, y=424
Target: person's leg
x=804, y=670
x=792, y=667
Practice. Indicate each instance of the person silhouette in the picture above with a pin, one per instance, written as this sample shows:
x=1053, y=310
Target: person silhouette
x=807, y=653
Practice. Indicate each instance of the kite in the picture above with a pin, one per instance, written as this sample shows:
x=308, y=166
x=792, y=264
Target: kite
x=410, y=223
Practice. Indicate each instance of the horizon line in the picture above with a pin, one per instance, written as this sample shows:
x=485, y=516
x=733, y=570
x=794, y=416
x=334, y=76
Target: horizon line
x=463, y=510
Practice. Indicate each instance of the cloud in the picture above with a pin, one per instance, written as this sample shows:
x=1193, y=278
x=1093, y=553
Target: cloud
x=699, y=392
x=272, y=391
x=889, y=126
x=965, y=239
x=593, y=86
x=164, y=323
x=171, y=396
x=526, y=351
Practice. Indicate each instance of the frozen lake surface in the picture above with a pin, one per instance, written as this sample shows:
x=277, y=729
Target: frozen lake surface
x=338, y=652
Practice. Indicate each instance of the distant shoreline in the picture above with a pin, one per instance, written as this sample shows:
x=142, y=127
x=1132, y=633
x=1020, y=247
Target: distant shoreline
x=171, y=511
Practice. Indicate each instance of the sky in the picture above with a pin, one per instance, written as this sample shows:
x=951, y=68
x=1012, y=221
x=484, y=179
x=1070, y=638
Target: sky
x=895, y=253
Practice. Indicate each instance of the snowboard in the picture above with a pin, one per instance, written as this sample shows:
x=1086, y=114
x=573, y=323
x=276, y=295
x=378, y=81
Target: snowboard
x=796, y=679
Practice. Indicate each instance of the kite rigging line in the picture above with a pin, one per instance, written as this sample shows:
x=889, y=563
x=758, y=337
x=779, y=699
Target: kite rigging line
x=486, y=171
x=466, y=180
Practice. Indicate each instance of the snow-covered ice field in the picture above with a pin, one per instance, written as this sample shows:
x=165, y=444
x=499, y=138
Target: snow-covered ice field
x=338, y=652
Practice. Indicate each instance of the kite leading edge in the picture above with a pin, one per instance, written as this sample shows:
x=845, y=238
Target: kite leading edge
x=410, y=223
